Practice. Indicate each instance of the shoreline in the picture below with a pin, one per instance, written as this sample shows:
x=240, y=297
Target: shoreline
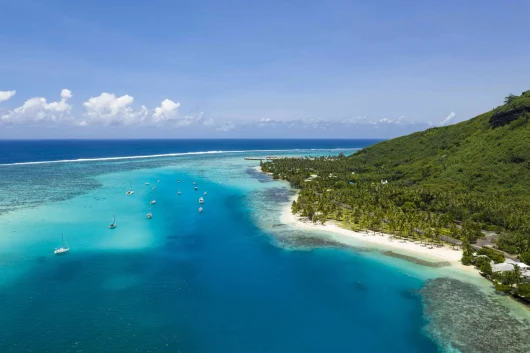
x=383, y=241
x=442, y=256
x=442, y=259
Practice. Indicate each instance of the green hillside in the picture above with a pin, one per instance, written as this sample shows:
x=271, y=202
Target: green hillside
x=455, y=180
x=442, y=184
x=487, y=154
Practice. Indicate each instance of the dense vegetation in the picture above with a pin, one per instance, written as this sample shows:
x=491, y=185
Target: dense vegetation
x=443, y=184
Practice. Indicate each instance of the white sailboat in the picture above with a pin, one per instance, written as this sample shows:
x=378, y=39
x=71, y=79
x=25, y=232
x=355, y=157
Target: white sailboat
x=146, y=183
x=62, y=249
x=205, y=193
x=178, y=193
x=131, y=191
x=154, y=187
x=201, y=200
x=113, y=224
x=149, y=215
x=152, y=202
x=196, y=188
x=200, y=209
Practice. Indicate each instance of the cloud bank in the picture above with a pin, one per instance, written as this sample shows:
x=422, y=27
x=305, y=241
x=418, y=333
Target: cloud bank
x=109, y=109
x=37, y=109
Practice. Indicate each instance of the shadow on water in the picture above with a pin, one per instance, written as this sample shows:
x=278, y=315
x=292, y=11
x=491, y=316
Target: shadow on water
x=410, y=294
x=277, y=195
x=67, y=272
x=259, y=176
x=299, y=240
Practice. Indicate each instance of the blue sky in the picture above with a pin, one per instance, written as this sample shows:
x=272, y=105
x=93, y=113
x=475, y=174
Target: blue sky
x=374, y=69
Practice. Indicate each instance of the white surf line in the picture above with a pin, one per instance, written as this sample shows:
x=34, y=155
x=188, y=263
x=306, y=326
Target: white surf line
x=82, y=160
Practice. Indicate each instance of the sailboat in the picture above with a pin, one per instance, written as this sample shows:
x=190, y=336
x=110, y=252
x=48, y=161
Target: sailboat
x=200, y=209
x=178, y=193
x=201, y=200
x=146, y=183
x=149, y=215
x=152, y=202
x=113, y=224
x=154, y=187
x=62, y=249
x=196, y=188
x=131, y=191
x=205, y=193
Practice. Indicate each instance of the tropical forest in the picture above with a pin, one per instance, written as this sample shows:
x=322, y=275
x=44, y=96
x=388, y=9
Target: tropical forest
x=455, y=184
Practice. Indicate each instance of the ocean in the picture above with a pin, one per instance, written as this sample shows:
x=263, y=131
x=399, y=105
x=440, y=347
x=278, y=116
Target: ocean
x=229, y=279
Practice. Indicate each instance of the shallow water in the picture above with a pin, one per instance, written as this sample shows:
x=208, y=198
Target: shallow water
x=230, y=279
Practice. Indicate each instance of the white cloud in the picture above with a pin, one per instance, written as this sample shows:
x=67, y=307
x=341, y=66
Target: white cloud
x=363, y=120
x=167, y=110
x=208, y=122
x=190, y=120
x=401, y=120
x=108, y=109
x=66, y=94
x=354, y=121
x=448, y=119
x=37, y=109
x=316, y=123
x=6, y=95
x=226, y=126
x=268, y=122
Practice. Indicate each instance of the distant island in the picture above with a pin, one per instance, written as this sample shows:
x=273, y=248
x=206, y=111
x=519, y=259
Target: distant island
x=467, y=185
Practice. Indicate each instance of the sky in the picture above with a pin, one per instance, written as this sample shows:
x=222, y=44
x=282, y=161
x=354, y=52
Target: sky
x=242, y=69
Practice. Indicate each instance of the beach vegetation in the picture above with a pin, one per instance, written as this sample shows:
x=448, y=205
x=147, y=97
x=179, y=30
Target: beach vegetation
x=525, y=257
x=495, y=256
x=523, y=290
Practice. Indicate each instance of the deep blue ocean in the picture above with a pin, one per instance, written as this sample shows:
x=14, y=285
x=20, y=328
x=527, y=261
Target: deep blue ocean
x=17, y=151
x=231, y=279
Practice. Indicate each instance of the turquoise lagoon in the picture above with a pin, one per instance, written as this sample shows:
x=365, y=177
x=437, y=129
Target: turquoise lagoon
x=229, y=279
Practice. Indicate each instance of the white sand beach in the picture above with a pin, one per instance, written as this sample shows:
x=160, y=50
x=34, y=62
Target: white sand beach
x=384, y=241
x=434, y=254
